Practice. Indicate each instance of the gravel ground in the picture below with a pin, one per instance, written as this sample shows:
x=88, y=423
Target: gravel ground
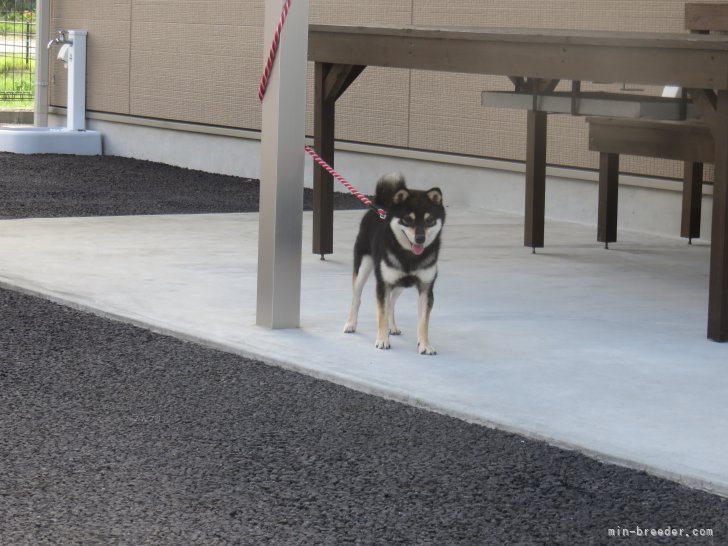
x=63, y=185
x=111, y=434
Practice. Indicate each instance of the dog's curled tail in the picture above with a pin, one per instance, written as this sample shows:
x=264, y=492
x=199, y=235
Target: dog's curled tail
x=387, y=186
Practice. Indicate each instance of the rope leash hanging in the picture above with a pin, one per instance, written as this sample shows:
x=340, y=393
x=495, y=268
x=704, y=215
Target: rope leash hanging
x=261, y=94
x=363, y=198
x=273, y=51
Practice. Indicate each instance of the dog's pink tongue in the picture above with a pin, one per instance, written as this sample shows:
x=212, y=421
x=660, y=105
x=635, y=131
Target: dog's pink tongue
x=417, y=249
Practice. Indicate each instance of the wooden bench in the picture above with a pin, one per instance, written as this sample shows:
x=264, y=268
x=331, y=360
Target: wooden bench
x=533, y=59
x=688, y=141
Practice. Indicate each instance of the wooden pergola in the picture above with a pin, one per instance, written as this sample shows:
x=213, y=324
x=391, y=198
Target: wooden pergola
x=535, y=60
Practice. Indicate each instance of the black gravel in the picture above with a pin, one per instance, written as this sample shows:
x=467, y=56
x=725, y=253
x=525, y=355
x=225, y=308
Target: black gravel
x=111, y=434
x=63, y=185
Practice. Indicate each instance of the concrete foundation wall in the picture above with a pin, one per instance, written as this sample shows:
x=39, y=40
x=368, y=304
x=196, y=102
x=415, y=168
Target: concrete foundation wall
x=646, y=204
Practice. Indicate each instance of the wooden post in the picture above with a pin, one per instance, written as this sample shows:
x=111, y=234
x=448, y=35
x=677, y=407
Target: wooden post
x=608, y=197
x=324, y=112
x=330, y=82
x=281, y=172
x=691, y=200
x=718, y=293
x=535, y=179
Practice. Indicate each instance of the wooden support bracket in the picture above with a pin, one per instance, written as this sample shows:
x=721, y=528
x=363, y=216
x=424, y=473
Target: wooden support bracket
x=338, y=79
x=706, y=102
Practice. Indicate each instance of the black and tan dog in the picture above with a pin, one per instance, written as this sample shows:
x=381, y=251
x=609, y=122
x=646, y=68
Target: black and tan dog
x=402, y=251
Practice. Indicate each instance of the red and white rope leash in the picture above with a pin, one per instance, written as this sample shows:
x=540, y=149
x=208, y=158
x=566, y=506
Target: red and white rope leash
x=329, y=169
x=273, y=51
x=261, y=94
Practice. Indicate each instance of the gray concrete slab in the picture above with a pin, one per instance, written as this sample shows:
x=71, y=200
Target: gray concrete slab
x=601, y=351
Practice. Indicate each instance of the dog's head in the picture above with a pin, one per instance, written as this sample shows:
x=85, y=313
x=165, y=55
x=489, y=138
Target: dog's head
x=416, y=218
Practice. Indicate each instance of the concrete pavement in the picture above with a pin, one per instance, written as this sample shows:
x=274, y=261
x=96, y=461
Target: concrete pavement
x=599, y=351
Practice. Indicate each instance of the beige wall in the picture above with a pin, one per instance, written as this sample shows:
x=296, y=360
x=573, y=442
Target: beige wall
x=199, y=61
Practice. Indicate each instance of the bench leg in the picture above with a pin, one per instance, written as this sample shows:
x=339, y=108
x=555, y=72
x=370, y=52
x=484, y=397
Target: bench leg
x=535, y=180
x=691, y=200
x=718, y=294
x=323, y=183
x=608, y=198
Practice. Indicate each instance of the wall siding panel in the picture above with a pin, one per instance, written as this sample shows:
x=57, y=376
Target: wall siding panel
x=195, y=72
x=107, y=71
x=200, y=60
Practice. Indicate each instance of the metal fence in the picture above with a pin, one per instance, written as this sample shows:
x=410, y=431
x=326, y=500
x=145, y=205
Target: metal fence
x=17, y=51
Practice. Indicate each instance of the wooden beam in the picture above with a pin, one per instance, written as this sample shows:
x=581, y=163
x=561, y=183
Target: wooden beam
x=593, y=103
x=686, y=60
x=682, y=140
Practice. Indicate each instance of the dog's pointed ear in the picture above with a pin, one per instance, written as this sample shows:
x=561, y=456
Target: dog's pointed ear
x=400, y=196
x=435, y=195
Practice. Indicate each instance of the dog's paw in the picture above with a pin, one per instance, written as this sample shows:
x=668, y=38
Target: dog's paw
x=426, y=349
x=395, y=331
x=382, y=344
x=349, y=328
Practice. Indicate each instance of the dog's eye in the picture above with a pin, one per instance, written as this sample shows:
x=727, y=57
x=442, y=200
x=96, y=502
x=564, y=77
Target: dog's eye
x=430, y=222
x=407, y=222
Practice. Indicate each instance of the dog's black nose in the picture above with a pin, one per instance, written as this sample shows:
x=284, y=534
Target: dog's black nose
x=420, y=238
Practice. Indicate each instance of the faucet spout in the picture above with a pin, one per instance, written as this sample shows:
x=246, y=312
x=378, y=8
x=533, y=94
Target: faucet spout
x=60, y=39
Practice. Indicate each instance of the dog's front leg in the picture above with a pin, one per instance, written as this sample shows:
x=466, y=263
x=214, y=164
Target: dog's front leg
x=424, y=306
x=391, y=302
x=383, y=295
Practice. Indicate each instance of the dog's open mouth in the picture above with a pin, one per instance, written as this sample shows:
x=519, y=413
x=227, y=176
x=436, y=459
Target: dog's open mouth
x=416, y=248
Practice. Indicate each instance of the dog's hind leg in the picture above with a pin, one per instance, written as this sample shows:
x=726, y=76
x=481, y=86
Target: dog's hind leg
x=424, y=306
x=361, y=274
x=391, y=302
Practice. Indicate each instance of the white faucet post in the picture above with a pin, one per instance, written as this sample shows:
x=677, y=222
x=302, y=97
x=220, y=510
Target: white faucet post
x=76, y=109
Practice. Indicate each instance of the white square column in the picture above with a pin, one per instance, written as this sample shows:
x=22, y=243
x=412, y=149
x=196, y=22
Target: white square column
x=76, y=110
x=282, y=168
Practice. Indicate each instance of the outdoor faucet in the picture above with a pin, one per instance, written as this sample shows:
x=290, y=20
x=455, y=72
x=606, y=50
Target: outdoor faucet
x=60, y=39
